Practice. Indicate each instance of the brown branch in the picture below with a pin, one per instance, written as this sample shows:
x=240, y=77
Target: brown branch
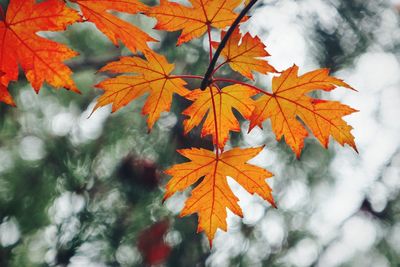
x=207, y=77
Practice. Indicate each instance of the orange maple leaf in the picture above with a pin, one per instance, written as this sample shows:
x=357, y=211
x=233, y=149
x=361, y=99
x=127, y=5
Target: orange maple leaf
x=150, y=76
x=218, y=109
x=4, y=94
x=289, y=102
x=113, y=27
x=244, y=54
x=194, y=21
x=40, y=58
x=213, y=196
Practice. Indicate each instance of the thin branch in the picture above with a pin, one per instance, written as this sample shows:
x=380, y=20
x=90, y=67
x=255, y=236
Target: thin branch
x=207, y=77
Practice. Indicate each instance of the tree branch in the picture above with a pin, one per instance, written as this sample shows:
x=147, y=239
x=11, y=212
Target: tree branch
x=206, y=81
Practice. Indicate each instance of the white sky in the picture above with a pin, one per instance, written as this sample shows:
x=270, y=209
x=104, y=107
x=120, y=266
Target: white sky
x=376, y=75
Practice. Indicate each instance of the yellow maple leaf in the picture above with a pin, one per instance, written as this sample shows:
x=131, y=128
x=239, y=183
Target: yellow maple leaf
x=113, y=27
x=213, y=196
x=217, y=107
x=195, y=20
x=289, y=101
x=244, y=54
x=150, y=76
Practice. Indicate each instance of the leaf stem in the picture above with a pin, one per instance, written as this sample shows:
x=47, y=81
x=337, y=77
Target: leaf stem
x=186, y=77
x=241, y=83
x=209, y=41
x=207, y=77
x=218, y=67
x=215, y=122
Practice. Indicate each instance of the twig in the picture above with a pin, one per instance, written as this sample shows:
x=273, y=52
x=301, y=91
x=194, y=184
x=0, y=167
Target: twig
x=206, y=81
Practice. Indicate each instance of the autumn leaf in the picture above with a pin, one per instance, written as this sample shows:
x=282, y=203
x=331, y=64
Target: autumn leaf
x=195, y=20
x=150, y=76
x=217, y=107
x=245, y=54
x=40, y=58
x=290, y=102
x=4, y=94
x=212, y=196
x=98, y=12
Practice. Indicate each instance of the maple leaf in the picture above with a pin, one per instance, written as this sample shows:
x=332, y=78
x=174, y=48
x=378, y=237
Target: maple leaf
x=97, y=11
x=195, y=20
x=40, y=58
x=289, y=102
x=212, y=196
x=217, y=107
x=246, y=56
x=150, y=76
x=4, y=94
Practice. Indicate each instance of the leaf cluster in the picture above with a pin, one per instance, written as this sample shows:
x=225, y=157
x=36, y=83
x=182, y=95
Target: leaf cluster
x=288, y=104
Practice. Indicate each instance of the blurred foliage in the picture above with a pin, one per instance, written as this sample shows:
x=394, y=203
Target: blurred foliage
x=79, y=191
